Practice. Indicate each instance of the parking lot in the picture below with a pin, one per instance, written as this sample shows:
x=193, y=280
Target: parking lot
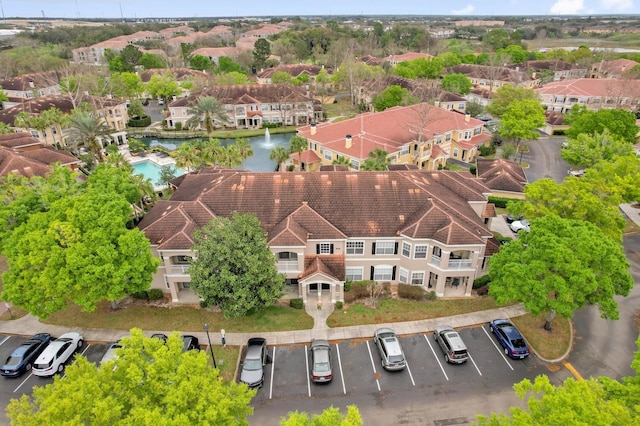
x=357, y=367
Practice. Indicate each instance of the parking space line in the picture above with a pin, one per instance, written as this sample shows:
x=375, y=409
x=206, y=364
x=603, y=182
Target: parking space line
x=5, y=339
x=436, y=357
x=496, y=346
x=273, y=365
x=85, y=350
x=374, y=366
x=474, y=363
x=344, y=389
x=409, y=370
x=23, y=382
x=306, y=360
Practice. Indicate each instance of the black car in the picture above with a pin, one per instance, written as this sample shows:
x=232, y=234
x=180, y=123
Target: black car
x=190, y=343
x=22, y=357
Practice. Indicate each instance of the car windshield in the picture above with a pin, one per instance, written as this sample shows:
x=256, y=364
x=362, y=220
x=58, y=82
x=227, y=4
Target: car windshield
x=252, y=364
x=322, y=366
x=518, y=343
x=13, y=360
x=396, y=358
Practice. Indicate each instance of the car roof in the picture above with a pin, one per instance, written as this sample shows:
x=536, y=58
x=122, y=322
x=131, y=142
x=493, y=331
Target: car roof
x=316, y=343
x=254, y=351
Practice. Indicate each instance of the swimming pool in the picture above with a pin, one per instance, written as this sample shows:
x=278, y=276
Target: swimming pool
x=151, y=170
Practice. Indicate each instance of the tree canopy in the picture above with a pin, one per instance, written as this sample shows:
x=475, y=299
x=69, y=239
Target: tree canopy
x=330, y=416
x=619, y=122
x=521, y=119
x=234, y=268
x=391, y=96
x=559, y=267
x=148, y=383
x=505, y=95
x=588, y=149
x=457, y=83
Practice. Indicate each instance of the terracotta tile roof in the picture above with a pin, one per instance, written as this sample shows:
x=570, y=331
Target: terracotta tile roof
x=330, y=265
x=492, y=247
x=335, y=168
x=371, y=60
x=307, y=157
x=501, y=175
x=616, y=66
x=388, y=130
x=179, y=73
x=544, y=64
x=27, y=82
x=604, y=87
x=247, y=94
x=408, y=56
x=294, y=70
x=554, y=118
x=295, y=207
x=216, y=52
x=490, y=73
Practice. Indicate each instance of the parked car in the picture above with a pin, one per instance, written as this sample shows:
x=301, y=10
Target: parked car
x=111, y=352
x=455, y=351
x=520, y=225
x=390, y=350
x=321, y=368
x=510, y=338
x=145, y=102
x=160, y=101
x=190, y=343
x=160, y=336
x=21, y=359
x=57, y=352
x=252, y=373
x=576, y=172
x=513, y=217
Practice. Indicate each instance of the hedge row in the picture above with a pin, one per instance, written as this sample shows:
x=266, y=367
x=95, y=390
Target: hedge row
x=151, y=294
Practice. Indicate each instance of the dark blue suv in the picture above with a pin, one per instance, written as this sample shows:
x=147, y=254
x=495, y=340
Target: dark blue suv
x=21, y=359
x=510, y=338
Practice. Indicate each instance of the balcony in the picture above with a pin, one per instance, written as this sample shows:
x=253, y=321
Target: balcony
x=453, y=263
x=179, y=270
x=287, y=266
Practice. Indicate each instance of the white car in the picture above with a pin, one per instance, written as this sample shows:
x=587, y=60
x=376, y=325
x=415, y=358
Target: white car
x=52, y=359
x=111, y=352
x=519, y=225
x=576, y=172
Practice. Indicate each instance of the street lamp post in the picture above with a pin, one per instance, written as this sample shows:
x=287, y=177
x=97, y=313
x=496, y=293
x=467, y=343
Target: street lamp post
x=206, y=329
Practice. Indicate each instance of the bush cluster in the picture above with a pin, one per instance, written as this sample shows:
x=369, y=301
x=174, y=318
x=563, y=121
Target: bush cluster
x=296, y=303
x=412, y=292
x=339, y=305
x=357, y=291
x=151, y=294
x=481, y=281
x=143, y=121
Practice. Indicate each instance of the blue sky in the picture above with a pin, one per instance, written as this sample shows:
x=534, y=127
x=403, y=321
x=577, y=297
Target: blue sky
x=218, y=8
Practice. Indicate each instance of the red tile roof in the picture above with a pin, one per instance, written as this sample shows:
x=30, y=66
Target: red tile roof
x=604, y=87
x=501, y=175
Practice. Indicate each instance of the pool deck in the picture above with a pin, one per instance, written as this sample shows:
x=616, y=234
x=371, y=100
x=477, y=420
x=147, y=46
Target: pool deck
x=160, y=160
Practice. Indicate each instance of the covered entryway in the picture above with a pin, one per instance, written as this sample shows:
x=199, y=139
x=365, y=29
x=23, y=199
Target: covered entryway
x=324, y=275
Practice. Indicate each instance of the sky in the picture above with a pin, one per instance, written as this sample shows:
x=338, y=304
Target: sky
x=134, y=9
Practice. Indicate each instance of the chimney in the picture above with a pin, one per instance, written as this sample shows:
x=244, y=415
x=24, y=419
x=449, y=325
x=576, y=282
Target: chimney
x=467, y=118
x=347, y=142
x=313, y=128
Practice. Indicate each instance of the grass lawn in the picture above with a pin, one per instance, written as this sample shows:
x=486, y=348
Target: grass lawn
x=149, y=317
x=549, y=344
x=226, y=360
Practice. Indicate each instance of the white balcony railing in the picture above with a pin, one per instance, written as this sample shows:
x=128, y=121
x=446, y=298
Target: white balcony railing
x=287, y=266
x=435, y=260
x=460, y=263
x=179, y=269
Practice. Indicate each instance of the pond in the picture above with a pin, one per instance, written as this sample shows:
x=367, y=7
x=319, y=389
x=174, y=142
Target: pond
x=262, y=146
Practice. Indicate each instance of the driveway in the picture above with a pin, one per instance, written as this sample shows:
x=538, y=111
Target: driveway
x=544, y=159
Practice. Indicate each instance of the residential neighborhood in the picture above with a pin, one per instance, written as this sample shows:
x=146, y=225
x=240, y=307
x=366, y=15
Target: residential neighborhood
x=311, y=212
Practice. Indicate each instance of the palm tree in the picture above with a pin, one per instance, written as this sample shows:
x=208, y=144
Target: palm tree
x=87, y=130
x=244, y=149
x=204, y=114
x=187, y=156
x=298, y=145
x=378, y=160
x=209, y=152
x=230, y=156
x=116, y=159
x=145, y=189
x=342, y=160
x=279, y=154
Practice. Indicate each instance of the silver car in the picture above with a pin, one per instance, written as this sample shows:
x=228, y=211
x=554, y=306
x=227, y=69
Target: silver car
x=321, y=369
x=455, y=351
x=390, y=350
x=252, y=373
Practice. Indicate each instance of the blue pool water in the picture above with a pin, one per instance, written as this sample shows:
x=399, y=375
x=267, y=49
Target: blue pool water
x=151, y=170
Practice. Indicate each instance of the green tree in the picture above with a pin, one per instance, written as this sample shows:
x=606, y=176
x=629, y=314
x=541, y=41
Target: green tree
x=521, y=120
x=245, y=150
x=234, y=268
x=188, y=156
x=163, y=85
x=130, y=57
x=457, y=83
x=505, y=96
x=620, y=123
x=588, y=149
x=148, y=383
x=78, y=251
x=150, y=61
x=378, y=159
x=391, y=96
x=341, y=160
x=279, y=154
x=228, y=65
x=200, y=62
x=575, y=402
x=167, y=173
x=126, y=85
x=280, y=77
x=330, y=416
x=496, y=39
x=559, y=267
x=229, y=156
x=261, y=51
x=205, y=113
x=298, y=144
x=85, y=129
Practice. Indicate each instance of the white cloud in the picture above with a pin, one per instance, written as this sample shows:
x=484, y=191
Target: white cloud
x=468, y=10
x=568, y=7
x=616, y=4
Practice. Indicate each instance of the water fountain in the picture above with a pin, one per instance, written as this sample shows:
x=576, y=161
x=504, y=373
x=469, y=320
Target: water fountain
x=267, y=138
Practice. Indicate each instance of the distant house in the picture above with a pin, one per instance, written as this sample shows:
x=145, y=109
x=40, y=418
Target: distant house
x=24, y=155
x=594, y=94
x=562, y=70
x=505, y=178
x=215, y=53
x=294, y=70
x=365, y=92
x=408, y=56
x=422, y=135
x=94, y=54
x=612, y=69
x=491, y=78
x=424, y=228
x=112, y=111
x=251, y=106
x=30, y=86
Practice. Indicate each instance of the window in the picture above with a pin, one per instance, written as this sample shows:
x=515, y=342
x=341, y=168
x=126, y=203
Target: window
x=353, y=274
x=385, y=247
x=404, y=150
x=287, y=255
x=403, y=277
x=406, y=249
x=328, y=155
x=355, y=247
x=355, y=164
x=417, y=278
x=437, y=251
x=324, y=248
x=467, y=134
x=420, y=252
x=477, y=131
x=383, y=273
x=313, y=146
x=461, y=107
x=455, y=152
x=447, y=137
x=183, y=260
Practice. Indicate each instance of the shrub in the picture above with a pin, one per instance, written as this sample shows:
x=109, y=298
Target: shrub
x=339, y=305
x=357, y=291
x=412, y=292
x=501, y=202
x=142, y=295
x=473, y=169
x=431, y=295
x=136, y=121
x=296, y=303
x=347, y=285
x=486, y=150
x=483, y=280
x=155, y=294
x=178, y=125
